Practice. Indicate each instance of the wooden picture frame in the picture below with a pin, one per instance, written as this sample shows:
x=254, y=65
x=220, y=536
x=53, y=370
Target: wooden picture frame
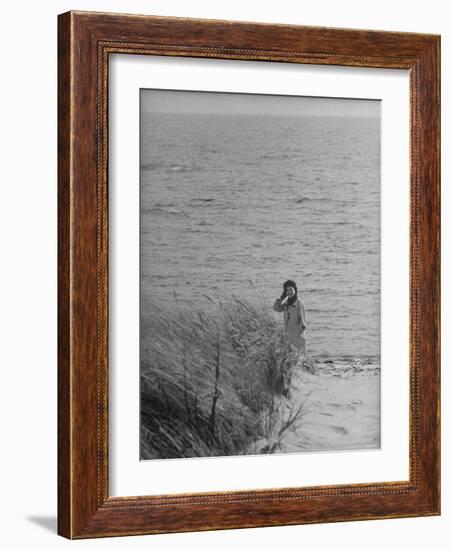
x=85, y=42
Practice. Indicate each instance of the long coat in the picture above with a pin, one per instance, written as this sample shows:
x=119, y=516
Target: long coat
x=294, y=321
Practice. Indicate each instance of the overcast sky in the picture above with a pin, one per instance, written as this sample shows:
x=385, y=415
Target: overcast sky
x=171, y=101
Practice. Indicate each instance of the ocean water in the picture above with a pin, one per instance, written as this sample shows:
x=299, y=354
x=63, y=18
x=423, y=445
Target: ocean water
x=235, y=205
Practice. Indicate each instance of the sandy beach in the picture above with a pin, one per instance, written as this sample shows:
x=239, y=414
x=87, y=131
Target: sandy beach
x=341, y=411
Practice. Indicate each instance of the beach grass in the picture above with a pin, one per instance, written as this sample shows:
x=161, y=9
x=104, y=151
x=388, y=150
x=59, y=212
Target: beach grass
x=212, y=380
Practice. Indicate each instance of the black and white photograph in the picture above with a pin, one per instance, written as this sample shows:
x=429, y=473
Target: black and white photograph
x=259, y=274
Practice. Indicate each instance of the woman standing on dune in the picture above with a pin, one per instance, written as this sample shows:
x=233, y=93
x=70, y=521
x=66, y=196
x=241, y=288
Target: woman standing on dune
x=294, y=316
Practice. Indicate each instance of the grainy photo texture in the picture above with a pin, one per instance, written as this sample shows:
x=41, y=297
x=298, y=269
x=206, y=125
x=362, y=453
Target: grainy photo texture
x=259, y=274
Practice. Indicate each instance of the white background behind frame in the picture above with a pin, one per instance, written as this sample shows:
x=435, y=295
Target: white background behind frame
x=128, y=475
x=29, y=300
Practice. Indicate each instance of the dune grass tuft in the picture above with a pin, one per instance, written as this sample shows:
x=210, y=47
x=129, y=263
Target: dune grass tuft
x=212, y=380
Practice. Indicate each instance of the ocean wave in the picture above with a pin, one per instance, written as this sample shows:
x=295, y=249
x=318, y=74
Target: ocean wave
x=166, y=209
x=201, y=202
x=272, y=156
x=314, y=199
x=150, y=166
x=182, y=168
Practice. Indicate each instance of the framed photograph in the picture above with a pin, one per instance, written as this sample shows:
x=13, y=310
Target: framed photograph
x=249, y=263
